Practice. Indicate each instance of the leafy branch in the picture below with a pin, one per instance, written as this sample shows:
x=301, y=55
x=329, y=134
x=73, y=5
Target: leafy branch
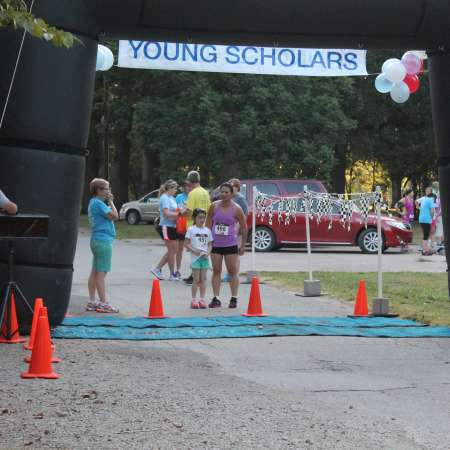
x=14, y=13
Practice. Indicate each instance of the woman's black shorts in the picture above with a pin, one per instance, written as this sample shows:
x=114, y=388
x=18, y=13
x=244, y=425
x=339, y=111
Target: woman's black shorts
x=426, y=228
x=233, y=250
x=167, y=233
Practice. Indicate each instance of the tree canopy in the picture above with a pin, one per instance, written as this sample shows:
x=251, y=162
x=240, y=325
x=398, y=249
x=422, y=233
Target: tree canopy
x=150, y=125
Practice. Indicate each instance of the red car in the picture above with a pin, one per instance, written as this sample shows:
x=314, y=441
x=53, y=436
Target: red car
x=270, y=237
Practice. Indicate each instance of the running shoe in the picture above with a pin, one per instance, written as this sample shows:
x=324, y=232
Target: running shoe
x=233, y=302
x=91, y=306
x=194, y=304
x=158, y=273
x=189, y=279
x=173, y=277
x=106, y=308
x=215, y=303
x=202, y=304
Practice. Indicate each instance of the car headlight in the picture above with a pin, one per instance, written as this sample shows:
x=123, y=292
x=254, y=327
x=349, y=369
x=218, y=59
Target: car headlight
x=396, y=224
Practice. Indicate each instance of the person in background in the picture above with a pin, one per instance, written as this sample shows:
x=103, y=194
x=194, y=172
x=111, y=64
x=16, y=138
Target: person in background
x=181, y=227
x=199, y=243
x=242, y=202
x=6, y=205
x=426, y=216
x=102, y=213
x=428, y=191
x=198, y=197
x=406, y=209
x=438, y=236
x=168, y=213
x=222, y=218
x=237, y=196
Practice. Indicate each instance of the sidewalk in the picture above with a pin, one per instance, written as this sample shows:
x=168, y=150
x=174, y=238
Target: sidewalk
x=277, y=393
x=130, y=281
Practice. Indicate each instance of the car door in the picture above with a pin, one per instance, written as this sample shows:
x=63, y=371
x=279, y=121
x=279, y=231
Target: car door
x=149, y=206
x=271, y=188
x=296, y=230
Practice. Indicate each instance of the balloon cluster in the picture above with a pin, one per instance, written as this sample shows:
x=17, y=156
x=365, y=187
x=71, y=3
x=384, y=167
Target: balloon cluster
x=401, y=77
x=105, y=58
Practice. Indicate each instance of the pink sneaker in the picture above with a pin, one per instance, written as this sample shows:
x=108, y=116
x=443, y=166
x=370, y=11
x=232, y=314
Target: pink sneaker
x=194, y=304
x=202, y=304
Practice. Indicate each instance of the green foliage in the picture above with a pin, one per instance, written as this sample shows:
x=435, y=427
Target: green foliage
x=259, y=126
x=241, y=125
x=417, y=296
x=14, y=13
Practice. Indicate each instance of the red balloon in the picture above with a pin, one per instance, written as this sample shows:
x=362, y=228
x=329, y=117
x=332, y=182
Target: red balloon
x=412, y=82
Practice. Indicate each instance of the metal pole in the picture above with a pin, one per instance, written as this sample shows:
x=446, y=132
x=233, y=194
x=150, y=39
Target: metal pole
x=253, y=227
x=380, y=245
x=308, y=237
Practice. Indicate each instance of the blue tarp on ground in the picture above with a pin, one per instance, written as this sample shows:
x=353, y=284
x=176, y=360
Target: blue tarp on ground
x=139, y=328
x=175, y=322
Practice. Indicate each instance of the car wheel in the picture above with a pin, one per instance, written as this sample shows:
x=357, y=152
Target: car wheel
x=368, y=241
x=133, y=218
x=264, y=239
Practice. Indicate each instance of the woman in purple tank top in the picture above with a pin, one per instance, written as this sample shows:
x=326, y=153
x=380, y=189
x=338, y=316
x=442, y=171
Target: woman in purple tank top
x=223, y=217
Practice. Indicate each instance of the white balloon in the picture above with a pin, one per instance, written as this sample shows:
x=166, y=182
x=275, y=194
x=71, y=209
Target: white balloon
x=400, y=92
x=382, y=84
x=100, y=58
x=105, y=58
x=387, y=62
x=395, y=72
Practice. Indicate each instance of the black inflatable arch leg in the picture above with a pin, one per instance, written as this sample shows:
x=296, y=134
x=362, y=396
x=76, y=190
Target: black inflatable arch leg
x=439, y=64
x=42, y=156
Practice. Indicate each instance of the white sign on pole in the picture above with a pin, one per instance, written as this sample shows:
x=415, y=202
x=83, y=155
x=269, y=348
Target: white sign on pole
x=242, y=59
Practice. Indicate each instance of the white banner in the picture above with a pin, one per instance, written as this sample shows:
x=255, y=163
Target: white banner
x=239, y=59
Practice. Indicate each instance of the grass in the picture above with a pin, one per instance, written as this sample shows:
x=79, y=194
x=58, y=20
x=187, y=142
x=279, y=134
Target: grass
x=125, y=231
x=413, y=295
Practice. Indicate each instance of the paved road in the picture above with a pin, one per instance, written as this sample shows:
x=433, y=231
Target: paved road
x=266, y=393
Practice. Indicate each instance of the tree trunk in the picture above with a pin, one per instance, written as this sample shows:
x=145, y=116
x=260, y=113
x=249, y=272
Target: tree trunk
x=93, y=163
x=150, y=172
x=338, y=171
x=120, y=167
x=396, y=188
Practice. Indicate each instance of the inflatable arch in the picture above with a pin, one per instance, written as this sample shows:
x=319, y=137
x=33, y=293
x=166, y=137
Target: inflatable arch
x=45, y=131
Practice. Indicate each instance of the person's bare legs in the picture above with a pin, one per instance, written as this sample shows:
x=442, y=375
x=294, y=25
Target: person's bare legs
x=101, y=286
x=196, y=275
x=171, y=253
x=179, y=257
x=91, y=286
x=217, y=271
x=163, y=261
x=231, y=263
x=202, y=283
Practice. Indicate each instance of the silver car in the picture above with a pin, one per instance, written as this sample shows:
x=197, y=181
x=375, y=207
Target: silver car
x=146, y=209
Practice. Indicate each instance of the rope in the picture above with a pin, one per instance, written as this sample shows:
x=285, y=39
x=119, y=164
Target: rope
x=14, y=72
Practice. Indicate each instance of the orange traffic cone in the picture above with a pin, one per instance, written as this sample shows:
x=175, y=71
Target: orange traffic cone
x=39, y=313
x=156, y=310
x=38, y=304
x=254, y=304
x=41, y=366
x=361, y=308
x=9, y=333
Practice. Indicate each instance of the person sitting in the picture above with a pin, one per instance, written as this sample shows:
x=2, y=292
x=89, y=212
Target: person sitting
x=6, y=205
